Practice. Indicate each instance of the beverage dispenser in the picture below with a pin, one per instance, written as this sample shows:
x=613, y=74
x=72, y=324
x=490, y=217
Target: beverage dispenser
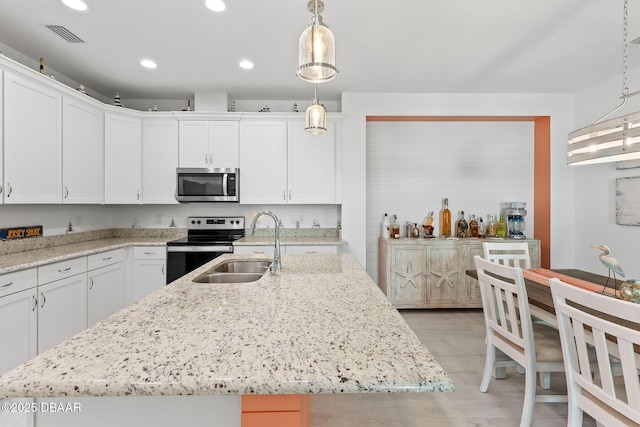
x=514, y=213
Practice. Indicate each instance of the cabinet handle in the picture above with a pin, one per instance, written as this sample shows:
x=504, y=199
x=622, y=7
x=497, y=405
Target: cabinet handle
x=206, y=158
x=284, y=194
x=35, y=303
x=64, y=270
x=44, y=299
x=138, y=195
x=90, y=283
x=149, y=253
x=0, y=189
x=312, y=252
x=6, y=285
x=66, y=191
x=10, y=189
x=107, y=258
x=162, y=269
x=289, y=194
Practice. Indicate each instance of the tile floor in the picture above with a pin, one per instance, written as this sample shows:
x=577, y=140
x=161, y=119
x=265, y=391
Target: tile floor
x=456, y=340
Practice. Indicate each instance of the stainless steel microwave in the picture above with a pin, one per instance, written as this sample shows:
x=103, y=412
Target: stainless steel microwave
x=207, y=185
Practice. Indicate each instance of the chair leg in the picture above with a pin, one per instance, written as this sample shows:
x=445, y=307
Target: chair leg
x=545, y=380
x=488, y=367
x=529, y=397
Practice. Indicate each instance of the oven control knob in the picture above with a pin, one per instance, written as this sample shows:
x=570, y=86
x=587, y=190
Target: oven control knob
x=193, y=222
x=198, y=222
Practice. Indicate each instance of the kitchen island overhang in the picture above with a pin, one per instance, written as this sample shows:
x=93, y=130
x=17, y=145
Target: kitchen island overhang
x=320, y=326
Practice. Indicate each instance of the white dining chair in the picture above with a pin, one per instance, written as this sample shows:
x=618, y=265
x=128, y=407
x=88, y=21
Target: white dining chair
x=610, y=403
x=514, y=254
x=509, y=328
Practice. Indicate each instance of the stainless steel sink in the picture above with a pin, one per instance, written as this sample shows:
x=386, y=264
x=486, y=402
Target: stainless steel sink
x=236, y=271
x=216, y=277
x=249, y=266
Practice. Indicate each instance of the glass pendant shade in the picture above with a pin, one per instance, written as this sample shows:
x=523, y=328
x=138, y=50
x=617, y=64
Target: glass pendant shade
x=317, y=53
x=316, y=119
x=609, y=141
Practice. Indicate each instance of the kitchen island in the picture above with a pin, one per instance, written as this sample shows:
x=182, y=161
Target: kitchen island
x=320, y=326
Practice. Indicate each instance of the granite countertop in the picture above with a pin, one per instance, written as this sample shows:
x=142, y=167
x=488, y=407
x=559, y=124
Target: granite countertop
x=37, y=257
x=290, y=241
x=320, y=326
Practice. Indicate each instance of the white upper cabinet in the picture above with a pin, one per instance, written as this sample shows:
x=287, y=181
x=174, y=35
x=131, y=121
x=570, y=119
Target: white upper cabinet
x=122, y=156
x=263, y=162
x=208, y=144
x=281, y=163
x=32, y=141
x=82, y=152
x=159, y=161
x=311, y=161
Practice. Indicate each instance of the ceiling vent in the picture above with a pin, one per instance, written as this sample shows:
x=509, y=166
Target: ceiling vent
x=65, y=34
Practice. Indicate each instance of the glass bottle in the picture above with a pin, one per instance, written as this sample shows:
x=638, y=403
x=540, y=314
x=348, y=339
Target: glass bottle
x=501, y=227
x=463, y=226
x=445, y=220
x=415, y=231
x=386, y=227
x=473, y=227
x=481, y=229
x=395, y=228
x=491, y=226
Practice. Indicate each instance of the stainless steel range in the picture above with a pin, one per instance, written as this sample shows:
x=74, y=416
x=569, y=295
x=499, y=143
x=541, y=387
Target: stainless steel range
x=207, y=238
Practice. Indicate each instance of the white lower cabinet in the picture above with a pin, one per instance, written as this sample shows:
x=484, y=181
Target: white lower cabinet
x=62, y=310
x=106, y=292
x=149, y=270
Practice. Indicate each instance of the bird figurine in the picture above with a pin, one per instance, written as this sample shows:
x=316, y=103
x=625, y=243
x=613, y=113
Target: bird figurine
x=612, y=265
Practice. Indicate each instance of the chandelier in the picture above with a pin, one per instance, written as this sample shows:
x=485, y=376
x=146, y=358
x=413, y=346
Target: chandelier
x=609, y=140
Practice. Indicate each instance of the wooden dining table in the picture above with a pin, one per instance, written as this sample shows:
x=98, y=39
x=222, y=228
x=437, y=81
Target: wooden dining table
x=541, y=301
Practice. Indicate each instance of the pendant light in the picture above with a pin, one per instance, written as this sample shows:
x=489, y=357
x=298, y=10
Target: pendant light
x=316, y=117
x=317, y=48
x=609, y=140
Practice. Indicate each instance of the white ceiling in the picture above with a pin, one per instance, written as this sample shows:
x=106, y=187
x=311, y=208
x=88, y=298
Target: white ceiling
x=406, y=46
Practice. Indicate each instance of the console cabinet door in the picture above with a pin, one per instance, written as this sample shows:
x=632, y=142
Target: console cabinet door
x=408, y=286
x=472, y=297
x=122, y=157
x=62, y=310
x=32, y=141
x=83, y=152
x=443, y=278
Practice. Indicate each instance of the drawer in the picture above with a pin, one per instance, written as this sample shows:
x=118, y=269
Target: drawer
x=150, y=252
x=262, y=250
x=17, y=281
x=60, y=270
x=104, y=258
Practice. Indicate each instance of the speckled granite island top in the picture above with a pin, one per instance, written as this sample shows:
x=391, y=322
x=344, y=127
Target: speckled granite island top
x=290, y=240
x=320, y=326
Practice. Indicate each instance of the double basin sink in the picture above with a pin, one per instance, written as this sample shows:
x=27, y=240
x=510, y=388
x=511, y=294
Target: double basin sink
x=237, y=271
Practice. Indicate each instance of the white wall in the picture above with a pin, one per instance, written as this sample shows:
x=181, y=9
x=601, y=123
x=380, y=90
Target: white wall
x=560, y=107
x=594, y=197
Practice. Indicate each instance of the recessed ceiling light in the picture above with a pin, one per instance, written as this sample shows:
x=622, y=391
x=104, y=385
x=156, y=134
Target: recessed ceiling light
x=75, y=4
x=246, y=64
x=148, y=63
x=215, y=5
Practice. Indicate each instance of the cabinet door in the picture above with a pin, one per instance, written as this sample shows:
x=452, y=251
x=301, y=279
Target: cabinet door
x=122, y=152
x=62, y=310
x=148, y=276
x=32, y=142
x=18, y=328
x=263, y=162
x=311, y=161
x=225, y=144
x=159, y=161
x=83, y=152
x=194, y=144
x=443, y=278
x=408, y=288
x=106, y=292
x=472, y=296
x=311, y=249
x=1, y=139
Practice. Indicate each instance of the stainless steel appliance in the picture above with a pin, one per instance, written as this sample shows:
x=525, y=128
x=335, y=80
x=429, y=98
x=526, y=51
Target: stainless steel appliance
x=207, y=185
x=207, y=238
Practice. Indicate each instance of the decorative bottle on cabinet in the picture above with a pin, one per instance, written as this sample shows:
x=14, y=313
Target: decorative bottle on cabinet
x=491, y=226
x=473, y=227
x=395, y=228
x=445, y=220
x=501, y=227
x=462, y=226
x=386, y=227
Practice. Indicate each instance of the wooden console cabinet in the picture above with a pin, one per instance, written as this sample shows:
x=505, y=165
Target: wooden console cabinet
x=430, y=273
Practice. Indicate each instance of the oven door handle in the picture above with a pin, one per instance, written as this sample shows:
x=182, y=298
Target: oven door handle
x=228, y=249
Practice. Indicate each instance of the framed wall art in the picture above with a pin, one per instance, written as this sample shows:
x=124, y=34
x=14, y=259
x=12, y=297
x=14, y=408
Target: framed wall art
x=628, y=201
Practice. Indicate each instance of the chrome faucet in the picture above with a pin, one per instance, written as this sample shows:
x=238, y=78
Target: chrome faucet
x=275, y=266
